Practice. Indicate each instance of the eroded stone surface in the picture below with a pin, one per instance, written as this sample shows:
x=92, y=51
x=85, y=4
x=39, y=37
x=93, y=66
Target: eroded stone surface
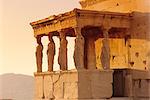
x=79, y=50
x=62, y=58
x=38, y=87
x=74, y=84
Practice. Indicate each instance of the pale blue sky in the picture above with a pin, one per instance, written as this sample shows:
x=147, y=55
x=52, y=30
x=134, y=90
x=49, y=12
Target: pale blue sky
x=17, y=42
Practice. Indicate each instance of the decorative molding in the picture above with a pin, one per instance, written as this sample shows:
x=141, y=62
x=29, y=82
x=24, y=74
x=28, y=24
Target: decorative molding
x=80, y=18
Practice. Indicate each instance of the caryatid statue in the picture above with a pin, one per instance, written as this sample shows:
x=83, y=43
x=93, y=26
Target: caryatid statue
x=50, y=52
x=62, y=56
x=105, y=54
x=79, y=49
x=39, y=54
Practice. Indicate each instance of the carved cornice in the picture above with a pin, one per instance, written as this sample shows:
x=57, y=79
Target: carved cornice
x=85, y=3
x=79, y=18
x=53, y=19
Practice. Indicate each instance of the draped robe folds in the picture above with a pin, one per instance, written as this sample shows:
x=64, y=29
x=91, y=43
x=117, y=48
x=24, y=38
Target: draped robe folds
x=39, y=56
x=50, y=55
x=62, y=58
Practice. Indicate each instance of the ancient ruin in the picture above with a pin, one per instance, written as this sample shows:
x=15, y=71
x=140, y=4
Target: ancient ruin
x=111, y=52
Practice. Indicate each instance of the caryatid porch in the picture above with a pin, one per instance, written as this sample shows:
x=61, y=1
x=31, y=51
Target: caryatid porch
x=86, y=26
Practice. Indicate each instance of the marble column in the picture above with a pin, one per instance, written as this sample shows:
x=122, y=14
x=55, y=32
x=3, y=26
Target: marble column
x=62, y=55
x=50, y=52
x=39, y=54
x=105, y=54
x=79, y=49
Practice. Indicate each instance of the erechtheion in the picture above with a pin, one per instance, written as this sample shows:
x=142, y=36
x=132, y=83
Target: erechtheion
x=111, y=52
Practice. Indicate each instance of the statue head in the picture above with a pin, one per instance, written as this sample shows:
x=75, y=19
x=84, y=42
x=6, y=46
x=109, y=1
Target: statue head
x=62, y=36
x=50, y=36
x=38, y=38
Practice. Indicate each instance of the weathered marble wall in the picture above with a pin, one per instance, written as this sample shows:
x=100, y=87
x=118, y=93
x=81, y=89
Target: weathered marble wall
x=118, y=53
x=69, y=85
x=133, y=53
x=139, y=43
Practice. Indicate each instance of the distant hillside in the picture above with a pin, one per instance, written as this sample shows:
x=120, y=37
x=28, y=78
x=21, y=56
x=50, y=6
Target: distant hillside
x=16, y=87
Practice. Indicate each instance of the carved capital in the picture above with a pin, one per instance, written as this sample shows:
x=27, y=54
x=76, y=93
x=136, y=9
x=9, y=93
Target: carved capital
x=50, y=35
x=106, y=28
x=127, y=31
x=77, y=31
x=62, y=33
x=105, y=31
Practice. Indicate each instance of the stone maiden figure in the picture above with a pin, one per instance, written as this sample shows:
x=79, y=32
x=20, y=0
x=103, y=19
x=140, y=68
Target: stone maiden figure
x=39, y=54
x=50, y=52
x=62, y=57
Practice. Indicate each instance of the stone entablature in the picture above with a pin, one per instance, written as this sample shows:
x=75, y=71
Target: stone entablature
x=81, y=18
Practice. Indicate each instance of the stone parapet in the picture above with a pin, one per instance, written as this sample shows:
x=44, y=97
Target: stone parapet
x=138, y=84
x=74, y=85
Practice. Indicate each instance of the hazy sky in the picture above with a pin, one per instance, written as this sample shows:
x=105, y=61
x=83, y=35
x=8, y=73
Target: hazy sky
x=17, y=42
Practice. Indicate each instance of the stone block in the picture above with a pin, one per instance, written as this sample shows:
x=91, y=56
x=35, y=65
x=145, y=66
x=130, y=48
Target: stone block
x=38, y=87
x=143, y=88
x=48, y=86
x=101, y=90
x=58, y=89
x=137, y=85
x=140, y=74
x=84, y=89
x=128, y=86
x=70, y=76
x=95, y=84
x=102, y=76
x=70, y=90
